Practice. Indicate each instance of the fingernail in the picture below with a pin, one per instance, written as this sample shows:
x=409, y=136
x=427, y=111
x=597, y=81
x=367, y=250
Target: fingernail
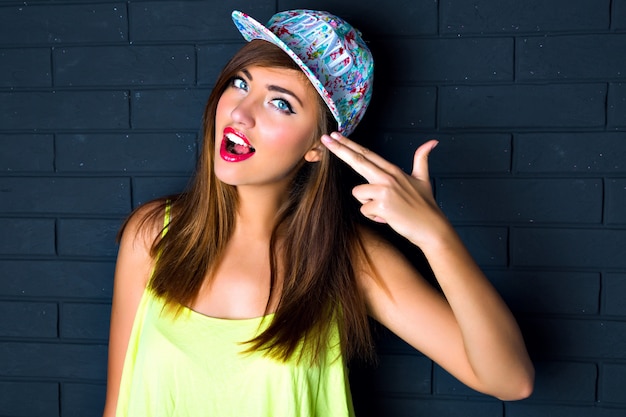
x=327, y=139
x=336, y=135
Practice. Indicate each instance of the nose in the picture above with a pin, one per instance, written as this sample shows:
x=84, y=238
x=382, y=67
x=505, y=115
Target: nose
x=243, y=112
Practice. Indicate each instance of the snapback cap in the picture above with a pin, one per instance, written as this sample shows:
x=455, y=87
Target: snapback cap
x=330, y=52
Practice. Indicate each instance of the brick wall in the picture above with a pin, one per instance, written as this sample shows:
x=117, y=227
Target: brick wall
x=100, y=105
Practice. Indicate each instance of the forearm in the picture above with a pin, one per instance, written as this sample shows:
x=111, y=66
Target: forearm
x=491, y=337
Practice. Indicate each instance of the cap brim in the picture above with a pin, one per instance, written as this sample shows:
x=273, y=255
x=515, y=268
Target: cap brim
x=251, y=29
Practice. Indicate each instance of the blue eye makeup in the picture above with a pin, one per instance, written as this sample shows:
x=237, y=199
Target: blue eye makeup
x=239, y=83
x=279, y=103
x=282, y=105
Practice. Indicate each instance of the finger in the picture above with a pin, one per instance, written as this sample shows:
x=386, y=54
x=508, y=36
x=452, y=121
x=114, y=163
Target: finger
x=363, y=193
x=355, y=159
x=368, y=212
x=362, y=160
x=372, y=156
x=368, y=196
x=420, y=160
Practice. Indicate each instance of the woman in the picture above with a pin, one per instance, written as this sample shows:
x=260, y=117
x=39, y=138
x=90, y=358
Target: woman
x=247, y=294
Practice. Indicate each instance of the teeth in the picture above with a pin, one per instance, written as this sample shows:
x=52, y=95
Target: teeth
x=236, y=139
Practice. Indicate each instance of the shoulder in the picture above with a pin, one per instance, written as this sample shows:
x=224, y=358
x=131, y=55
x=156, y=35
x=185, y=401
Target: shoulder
x=145, y=224
x=137, y=237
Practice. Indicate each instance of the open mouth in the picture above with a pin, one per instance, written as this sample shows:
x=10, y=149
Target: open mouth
x=235, y=147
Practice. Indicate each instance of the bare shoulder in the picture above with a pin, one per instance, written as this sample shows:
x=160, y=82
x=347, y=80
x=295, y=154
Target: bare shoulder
x=137, y=237
x=144, y=224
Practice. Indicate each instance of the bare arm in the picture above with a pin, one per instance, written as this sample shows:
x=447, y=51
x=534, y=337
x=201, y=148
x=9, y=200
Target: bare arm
x=471, y=333
x=131, y=277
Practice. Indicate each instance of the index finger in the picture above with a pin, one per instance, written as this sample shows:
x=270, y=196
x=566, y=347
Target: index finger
x=367, y=163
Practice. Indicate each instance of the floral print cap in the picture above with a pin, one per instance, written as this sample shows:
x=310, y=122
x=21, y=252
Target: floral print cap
x=331, y=53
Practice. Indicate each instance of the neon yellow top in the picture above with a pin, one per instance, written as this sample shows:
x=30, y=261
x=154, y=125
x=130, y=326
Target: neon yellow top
x=192, y=366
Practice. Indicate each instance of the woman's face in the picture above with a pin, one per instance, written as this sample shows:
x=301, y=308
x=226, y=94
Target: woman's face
x=264, y=126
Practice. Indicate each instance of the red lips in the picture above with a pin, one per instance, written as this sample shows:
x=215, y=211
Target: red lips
x=235, y=147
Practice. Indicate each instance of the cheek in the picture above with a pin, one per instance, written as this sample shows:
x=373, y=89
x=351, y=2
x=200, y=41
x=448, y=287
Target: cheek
x=291, y=141
x=292, y=137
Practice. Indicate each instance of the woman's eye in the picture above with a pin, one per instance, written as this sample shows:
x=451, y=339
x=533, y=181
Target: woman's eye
x=282, y=105
x=239, y=83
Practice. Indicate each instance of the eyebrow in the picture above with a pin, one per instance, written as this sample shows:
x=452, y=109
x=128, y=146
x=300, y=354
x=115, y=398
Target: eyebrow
x=272, y=87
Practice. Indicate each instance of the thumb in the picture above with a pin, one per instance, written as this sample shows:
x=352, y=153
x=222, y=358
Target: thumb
x=420, y=160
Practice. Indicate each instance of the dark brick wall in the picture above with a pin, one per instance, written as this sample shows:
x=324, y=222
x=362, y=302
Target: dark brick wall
x=100, y=105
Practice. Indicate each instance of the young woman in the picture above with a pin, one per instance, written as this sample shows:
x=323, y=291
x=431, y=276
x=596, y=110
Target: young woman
x=247, y=294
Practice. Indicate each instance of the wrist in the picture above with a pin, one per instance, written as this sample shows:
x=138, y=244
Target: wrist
x=437, y=235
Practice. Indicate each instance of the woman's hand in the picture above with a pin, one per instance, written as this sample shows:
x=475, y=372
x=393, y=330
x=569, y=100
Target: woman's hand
x=405, y=202
x=470, y=333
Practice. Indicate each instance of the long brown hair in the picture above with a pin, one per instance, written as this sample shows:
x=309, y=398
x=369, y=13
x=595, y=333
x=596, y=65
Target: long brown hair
x=320, y=244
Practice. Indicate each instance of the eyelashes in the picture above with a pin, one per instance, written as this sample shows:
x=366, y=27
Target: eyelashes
x=279, y=103
x=239, y=83
x=283, y=105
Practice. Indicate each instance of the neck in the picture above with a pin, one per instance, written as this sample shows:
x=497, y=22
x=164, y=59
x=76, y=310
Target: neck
x=258, y=207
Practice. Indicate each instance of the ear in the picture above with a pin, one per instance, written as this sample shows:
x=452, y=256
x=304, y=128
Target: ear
x=314, y=154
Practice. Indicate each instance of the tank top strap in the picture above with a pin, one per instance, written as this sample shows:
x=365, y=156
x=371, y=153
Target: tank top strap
x=166, y=225
x=167, y=217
